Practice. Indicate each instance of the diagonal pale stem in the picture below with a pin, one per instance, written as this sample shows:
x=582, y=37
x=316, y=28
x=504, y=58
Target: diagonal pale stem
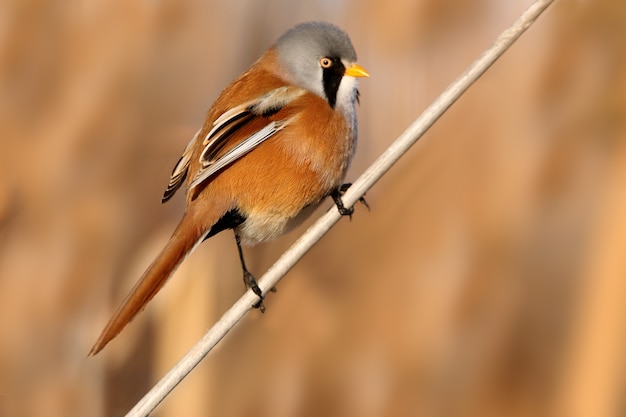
x=386, y=160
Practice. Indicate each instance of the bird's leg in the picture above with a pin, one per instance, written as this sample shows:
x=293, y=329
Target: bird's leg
x=336, y=196
x=248, y=278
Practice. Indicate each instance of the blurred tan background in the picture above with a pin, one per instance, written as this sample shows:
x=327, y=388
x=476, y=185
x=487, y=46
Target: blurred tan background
x=489, y=278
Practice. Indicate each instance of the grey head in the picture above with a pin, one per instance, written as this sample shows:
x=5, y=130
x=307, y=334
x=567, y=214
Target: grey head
x=320, y=58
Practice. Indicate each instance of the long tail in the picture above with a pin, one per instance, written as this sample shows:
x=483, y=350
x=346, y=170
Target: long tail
x=189, y=232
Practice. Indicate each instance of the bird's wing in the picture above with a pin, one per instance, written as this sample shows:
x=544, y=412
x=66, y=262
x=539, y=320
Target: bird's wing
x=179, y=173
x=223, y=145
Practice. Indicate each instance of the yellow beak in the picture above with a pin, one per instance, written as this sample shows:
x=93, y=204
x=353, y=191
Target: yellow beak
x=356, y=70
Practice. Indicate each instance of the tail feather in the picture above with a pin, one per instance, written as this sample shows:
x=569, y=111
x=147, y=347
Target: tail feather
x=188, y=234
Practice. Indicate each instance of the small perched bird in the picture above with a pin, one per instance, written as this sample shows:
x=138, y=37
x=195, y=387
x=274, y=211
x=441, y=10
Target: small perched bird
x=275, y=143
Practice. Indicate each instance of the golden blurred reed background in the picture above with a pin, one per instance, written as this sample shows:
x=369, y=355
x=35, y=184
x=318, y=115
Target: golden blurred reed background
x=489, y=278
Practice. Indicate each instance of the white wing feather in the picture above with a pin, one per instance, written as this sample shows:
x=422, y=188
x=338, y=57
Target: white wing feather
x=240, y=150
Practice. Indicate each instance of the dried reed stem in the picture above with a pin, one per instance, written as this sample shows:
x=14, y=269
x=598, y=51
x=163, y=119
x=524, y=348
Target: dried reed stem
x=411, y=135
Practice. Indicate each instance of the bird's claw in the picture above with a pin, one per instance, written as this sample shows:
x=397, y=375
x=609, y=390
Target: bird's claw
x=252, y=284
x=343, y=210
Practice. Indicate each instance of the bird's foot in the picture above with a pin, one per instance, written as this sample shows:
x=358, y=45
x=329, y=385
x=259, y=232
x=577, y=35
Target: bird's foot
x=252, y=284
x=336, y=196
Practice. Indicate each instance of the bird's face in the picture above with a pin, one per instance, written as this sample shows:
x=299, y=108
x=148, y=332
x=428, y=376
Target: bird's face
x=319, y=57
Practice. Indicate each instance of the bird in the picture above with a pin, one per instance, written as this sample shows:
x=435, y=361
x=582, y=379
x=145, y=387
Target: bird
x=275, y=143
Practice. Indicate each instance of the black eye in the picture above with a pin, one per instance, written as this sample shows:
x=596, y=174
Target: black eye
x=326, y=62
